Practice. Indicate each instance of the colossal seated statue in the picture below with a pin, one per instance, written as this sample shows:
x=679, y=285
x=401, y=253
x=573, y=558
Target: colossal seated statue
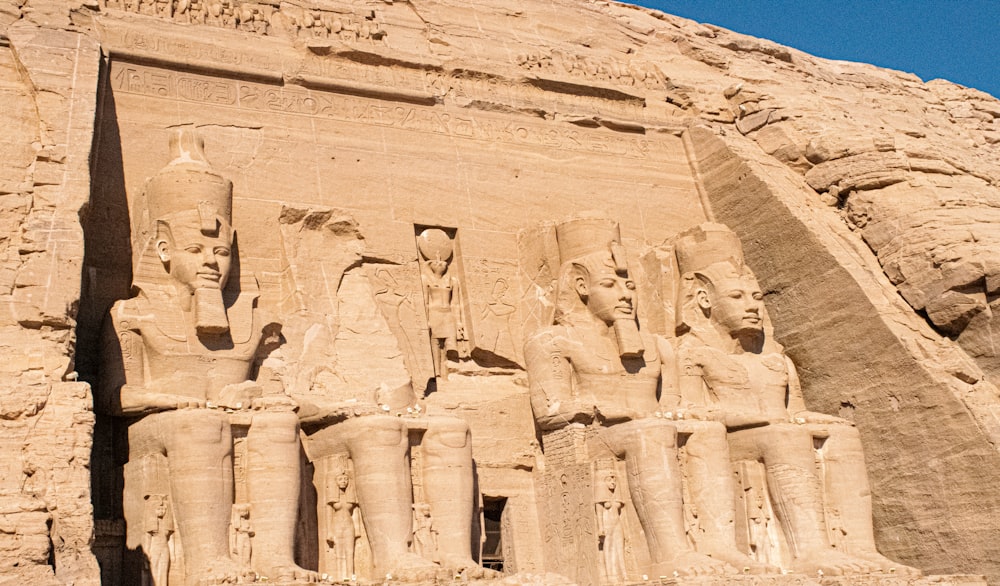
x=186, y=345
x=730, y=371
x=594, y=368
x=361, y=416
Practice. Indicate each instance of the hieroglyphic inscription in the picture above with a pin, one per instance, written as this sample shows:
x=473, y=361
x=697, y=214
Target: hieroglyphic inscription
x=144, y=41
x=465, y=87
x=288, y=20
x=631, y=73
x=162, y=83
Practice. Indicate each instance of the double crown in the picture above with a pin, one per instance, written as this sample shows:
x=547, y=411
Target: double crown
x=188, y=183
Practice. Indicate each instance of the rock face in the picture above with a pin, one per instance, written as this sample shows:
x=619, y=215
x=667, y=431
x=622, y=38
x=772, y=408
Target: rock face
x=399, y=172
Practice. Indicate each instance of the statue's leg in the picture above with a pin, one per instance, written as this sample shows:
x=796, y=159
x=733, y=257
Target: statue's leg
x=649, y=447
x=712, y=492
x=273, y=487
x=199, y=448
x=848, y=491
x=380, y=449
x=794, y=487
x=447, y=474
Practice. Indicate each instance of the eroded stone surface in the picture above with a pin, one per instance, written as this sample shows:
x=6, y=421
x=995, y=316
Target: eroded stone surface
x=845, y=182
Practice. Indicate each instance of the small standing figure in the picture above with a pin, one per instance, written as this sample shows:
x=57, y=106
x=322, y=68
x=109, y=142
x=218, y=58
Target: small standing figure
x=760, y=522
x=442, y=295
x=343, y=525
x=240, y=545
x=159, y=526
x=610, y=533
x=424, y=534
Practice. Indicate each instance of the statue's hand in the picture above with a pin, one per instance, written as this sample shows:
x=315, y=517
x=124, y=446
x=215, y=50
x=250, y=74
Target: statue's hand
x=316, y=412
x=137, y=400
x=820, y=418
x=274, y=402
x=736, y=420
x=239, y=395
x=563, y=413
x=699, y=413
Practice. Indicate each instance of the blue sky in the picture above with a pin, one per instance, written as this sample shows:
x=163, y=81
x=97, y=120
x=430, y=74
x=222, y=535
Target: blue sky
x=957, y=40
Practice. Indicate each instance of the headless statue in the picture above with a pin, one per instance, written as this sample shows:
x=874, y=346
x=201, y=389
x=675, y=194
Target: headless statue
x=730, y=371
x=594, y=366
x=188, y=340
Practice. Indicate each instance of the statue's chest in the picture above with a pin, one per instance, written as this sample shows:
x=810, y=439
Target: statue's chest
x=754, y=373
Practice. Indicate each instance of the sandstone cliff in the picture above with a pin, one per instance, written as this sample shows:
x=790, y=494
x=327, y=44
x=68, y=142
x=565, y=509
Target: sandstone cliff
x=866, y=201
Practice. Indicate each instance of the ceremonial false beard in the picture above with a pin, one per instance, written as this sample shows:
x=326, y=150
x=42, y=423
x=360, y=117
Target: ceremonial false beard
x=629, y=340
x=210, y=312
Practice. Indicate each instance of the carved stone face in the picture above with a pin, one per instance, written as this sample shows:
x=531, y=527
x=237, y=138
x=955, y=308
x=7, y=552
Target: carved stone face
x=196, y=260
x=343, y=481
x=737, y=305
x=611, y=482
x=609, y=296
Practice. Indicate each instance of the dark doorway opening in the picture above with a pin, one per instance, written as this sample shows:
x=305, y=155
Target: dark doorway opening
x=493, y=546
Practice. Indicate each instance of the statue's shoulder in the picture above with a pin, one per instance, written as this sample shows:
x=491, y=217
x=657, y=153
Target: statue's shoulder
x=549, y=338
x=131, y=313
x=690, y=350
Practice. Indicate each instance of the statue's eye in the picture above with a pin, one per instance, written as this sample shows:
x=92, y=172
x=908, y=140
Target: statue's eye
x=608, y=283
x=630, y=285
x=758, y=296
x=736, y=294
x=193, y=249
x=221, y=252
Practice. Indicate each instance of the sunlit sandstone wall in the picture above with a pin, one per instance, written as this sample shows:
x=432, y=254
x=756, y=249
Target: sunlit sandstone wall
x=487, y=120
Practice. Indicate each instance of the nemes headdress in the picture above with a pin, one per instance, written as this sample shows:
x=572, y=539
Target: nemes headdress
x=586, y=241
x=709, y=252
x=187, y=189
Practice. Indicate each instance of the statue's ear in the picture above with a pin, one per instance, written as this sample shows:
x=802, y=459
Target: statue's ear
x=703, y=299
x=162, y=241
x=581, y=282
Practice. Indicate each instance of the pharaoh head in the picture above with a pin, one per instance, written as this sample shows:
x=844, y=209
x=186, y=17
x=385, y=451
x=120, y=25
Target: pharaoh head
x=716, y=287
x=594, y=278
x=190, y=207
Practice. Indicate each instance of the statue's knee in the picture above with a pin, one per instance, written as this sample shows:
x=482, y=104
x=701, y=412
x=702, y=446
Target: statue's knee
x=705, y=439
x=449, y=433
x=640, y=434
x=276, y=427
x=199, y=426
x=383, y=431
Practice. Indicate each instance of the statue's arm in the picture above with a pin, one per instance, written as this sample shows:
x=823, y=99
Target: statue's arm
x=125, y=390
x=356, y=519
x=671, y=398
x=456, y=304
x=698, y=398
x=550, y=385
x=796, y=403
